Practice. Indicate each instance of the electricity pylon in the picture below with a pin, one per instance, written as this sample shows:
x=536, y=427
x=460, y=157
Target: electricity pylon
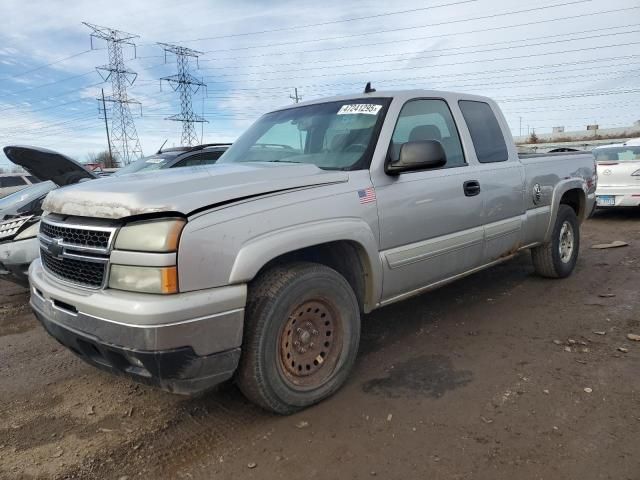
x=186, y=85
x=124, y=137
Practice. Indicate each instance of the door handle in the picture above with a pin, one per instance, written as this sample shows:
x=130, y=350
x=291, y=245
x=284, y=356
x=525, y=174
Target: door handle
x=471, y=188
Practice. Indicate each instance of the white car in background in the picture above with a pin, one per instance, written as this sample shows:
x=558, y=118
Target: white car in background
x=618, y=174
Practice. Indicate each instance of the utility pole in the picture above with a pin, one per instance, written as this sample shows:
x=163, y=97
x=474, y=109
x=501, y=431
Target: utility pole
x=520, y=125
x=186, y=84
x=106, y=126
x=295, y=97
x=124, y=137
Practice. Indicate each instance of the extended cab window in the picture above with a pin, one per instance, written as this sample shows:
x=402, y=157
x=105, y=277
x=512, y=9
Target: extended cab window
x=485, y=131
x=428, y=120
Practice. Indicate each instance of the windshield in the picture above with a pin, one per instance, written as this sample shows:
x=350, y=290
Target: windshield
x=335, y=136
x=152, y=162
x=617, y=154
x=27, y=201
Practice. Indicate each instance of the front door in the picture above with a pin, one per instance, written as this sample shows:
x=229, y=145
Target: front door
x=431, y=221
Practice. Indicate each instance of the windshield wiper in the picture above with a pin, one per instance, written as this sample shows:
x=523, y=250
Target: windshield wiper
x=282, y=161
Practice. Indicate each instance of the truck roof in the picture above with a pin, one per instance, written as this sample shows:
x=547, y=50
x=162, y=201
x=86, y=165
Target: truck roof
x=403, y=95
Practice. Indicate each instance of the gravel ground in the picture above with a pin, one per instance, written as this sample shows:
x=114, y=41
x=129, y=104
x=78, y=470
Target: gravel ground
x=499, y=376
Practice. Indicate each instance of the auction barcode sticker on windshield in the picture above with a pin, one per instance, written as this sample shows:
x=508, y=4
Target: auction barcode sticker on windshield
x=360, y=108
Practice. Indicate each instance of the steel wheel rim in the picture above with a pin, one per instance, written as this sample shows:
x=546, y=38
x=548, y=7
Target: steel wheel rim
x=310, y=343
x=567, y=242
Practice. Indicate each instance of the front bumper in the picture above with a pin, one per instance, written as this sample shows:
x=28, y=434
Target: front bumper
x=178, y=371
x=184, y=343
x=15, y=258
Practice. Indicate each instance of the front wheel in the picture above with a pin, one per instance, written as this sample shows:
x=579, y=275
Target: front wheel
x=302, y=330
x=557, y=258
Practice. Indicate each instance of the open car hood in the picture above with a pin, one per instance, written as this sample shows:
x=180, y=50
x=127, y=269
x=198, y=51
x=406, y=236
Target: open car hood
x=48, y=165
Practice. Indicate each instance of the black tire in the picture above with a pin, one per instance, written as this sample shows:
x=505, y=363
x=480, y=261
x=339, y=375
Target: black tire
x=548, y=260
x=315, y=295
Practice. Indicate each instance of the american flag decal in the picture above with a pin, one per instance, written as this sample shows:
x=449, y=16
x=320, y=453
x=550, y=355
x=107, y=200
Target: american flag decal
x=367, y=195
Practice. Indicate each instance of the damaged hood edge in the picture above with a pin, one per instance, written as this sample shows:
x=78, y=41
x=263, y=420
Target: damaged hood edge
x=190, y=190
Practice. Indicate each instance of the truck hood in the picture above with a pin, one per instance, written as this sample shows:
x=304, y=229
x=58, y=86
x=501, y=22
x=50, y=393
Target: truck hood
x=184, y=190
x=48, y=165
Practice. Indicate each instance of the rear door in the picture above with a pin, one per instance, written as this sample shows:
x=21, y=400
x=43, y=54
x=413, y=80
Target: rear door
x=501, y=178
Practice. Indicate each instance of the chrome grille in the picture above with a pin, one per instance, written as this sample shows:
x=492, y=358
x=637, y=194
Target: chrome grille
x=76, y=253
x=80, y=272
x=77, y=236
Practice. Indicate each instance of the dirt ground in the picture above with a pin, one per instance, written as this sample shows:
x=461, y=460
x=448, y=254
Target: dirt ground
x=499, y=376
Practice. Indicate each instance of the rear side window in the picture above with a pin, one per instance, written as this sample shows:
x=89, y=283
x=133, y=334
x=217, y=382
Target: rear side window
x=485, y=131
x=12, y=181
x=32, y=179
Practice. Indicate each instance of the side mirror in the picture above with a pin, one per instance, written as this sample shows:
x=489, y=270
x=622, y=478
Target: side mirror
x=421, y=155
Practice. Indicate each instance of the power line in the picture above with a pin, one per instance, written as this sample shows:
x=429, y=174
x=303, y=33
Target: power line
x=55, y=106
x=40, y=67
x=399, y=29
x=401, y=54
x=428, y=37
x=331, y=22
x=571, y=95
x=448, y=75
x=51, y=97
x=429, y=57
x=47, y=84
x=369, y=71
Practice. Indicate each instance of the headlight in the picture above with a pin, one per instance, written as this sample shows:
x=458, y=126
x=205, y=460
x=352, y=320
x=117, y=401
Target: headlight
x=29, y=232
x=162, y=280
x=151, y=235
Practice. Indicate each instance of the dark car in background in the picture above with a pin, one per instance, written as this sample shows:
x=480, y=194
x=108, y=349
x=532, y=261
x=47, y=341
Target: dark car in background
x=177, y=157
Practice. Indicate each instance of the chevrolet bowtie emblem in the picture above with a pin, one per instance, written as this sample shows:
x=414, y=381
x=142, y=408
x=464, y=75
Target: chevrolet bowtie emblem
x=54, y=248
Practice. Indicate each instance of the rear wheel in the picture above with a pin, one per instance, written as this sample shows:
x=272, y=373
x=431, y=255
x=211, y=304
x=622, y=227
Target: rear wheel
x=557, y=258
x=302, y=330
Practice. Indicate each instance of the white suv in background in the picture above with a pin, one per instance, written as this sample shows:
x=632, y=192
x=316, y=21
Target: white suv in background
x=12, y=182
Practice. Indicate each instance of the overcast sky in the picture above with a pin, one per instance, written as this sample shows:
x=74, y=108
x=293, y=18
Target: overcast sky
x=548, y=63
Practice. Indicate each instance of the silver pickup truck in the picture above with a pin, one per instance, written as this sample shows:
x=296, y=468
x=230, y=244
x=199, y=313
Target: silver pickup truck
x=260, y=267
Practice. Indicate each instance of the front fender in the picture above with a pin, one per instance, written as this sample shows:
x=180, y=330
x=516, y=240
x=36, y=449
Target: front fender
x=560, y=189
x=257, y=252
